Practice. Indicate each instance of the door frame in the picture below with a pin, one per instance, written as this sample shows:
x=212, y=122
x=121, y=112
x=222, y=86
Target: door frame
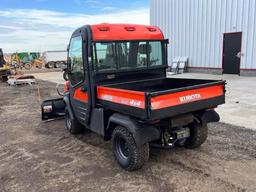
x=223, y=48
x=79, y=104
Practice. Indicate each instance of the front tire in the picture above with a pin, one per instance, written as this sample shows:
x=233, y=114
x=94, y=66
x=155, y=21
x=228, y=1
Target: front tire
x=198, y=135
x=128, y=155
x=65, y=75
x=73, y=126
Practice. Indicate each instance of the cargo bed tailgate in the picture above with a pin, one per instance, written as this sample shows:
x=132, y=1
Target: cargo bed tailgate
x=179, y=101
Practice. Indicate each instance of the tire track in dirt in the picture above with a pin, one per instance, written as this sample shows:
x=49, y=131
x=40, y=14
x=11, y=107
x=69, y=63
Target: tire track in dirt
x=207, y=176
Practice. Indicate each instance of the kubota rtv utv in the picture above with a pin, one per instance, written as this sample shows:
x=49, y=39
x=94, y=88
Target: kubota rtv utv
x=118, y=89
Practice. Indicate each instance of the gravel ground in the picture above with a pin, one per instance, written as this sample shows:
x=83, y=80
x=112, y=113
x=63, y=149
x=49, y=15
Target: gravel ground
x=42, y=156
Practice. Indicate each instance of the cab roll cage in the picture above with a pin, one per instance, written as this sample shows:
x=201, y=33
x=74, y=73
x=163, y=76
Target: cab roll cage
x=87, y=41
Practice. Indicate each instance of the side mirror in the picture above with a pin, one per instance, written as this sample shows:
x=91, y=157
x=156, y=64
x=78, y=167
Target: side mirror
x=69, y=65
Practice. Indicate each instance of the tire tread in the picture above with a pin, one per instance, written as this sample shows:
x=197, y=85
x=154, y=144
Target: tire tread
x=76, y=127
x=199, y=134
x=140, y=154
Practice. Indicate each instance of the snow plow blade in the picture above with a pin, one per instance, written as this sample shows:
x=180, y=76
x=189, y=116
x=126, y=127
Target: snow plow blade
x=53, y=108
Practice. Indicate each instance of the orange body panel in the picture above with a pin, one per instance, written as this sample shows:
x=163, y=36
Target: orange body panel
x=137, y=99
x=121, y=96
x=174, y=99
x=80, y=95
x=107, y=32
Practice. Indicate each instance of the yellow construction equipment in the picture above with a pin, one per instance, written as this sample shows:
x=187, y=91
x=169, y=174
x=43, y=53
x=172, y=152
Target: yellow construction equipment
x=4, y=68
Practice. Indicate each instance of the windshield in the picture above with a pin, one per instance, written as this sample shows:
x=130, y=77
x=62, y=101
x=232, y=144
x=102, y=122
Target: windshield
x=113, y=56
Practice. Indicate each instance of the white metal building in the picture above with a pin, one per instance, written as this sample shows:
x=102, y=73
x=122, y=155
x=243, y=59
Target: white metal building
x=216, y=35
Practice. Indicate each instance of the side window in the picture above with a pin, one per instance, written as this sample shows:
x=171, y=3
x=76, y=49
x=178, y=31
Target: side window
x=105, y=59
x=155, y=52
x=76, y=56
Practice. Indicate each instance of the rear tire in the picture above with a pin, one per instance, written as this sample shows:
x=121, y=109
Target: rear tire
x=128, y=155
x=73, y=126
x=57, y=64
x=198, y=135
x=50, y=65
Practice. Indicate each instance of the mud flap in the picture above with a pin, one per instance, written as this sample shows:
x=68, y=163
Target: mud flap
x=210, y=116
x=53, y=108
x=141, y=133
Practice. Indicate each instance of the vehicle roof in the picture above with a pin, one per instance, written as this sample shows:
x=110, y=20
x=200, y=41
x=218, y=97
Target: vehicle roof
x=108, y=32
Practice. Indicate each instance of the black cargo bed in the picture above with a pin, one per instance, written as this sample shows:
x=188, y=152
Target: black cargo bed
x=166, y=87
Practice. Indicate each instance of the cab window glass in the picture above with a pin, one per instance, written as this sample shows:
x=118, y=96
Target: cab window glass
x=105, y=59
x=142, y=55
x=132, y=55
x=76, y=57
x=155, y=53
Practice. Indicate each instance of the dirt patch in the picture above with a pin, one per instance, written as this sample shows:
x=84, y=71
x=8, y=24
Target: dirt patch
x=42, y=156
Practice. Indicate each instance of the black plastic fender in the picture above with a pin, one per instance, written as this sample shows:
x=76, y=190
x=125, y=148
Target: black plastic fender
x=142, y=133
x=68, y=106
x=210, y=116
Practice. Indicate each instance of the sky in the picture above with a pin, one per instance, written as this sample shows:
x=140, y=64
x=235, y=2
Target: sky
x=43, y=25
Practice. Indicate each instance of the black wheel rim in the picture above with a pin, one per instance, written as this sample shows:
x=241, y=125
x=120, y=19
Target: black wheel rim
x=122, y=148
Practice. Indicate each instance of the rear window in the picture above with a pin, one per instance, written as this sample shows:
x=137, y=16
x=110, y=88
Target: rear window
x=131, y=55
x=113, y=56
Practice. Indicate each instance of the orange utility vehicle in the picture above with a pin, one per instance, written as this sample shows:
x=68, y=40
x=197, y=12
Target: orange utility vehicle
x=118, y=89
